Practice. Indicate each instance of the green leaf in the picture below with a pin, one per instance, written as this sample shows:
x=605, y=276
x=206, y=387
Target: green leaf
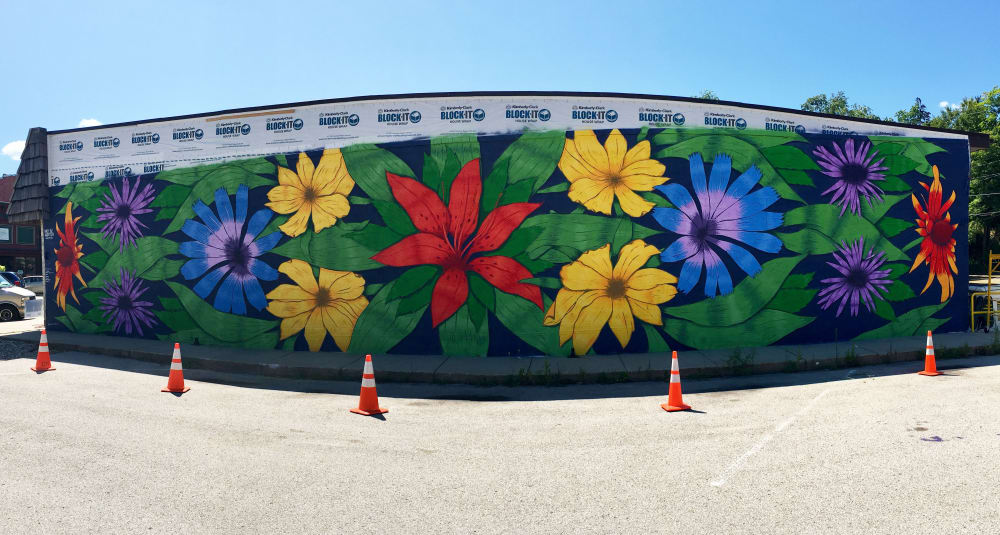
x=138, y=259
x=825, y=230
x=95, y=261
x=895, y=270
x=899, y=291
x=878, y=209
x=797, y=176
x=193, y=336
x=655, y=342
x=170, y=303
x=452, y=166
x=412, y=280
x=282, y=160
x=526, y=321
x=791, y=300
x=643, y=132
x=416, y=301
x=189, y=176
x=798, y=281
x=764, y=328
x=884, y=310
x=461, y=337
x=477, y=311
x=372, y=289
x=75, y=321
x=356, y=200
x=220, y=325
x=163, y=269
x=108, y=245
x=482, y=290
x=79, y=192
x=382, y=325
x=743, y=156
x=545, y=282
x=658, y=200
x=758, y=138
x=581, y=232
x=898, y=165
x=931, y=324
x=906, y=324
x=368, y=165
x=788, y=157
x=560, y=187
x=229, y=178
x=519, y=192
x=176, y=320
x=342, y=247
x=517, y=242
x=431, y=173
x=890, y=226
x=533, y=156
x=172, y=195
x=913, y=243
x=894, y=183
x=747, y=298
x=493, y=187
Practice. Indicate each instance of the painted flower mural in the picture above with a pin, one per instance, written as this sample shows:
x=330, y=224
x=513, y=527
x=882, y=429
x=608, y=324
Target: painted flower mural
x=121, y=208
x=331, y=304
x=68, y=258
x=124, y=305
x=599, y=174
x=449, y=238
x=317, y=192
x=228, y=241
x=855, y=172
x=723, y=217
x=937, y=249
x=594, y=294
x=859, y=281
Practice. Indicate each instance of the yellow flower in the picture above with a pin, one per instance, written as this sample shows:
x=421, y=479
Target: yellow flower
x=594, y=293
x=599, y=174
x=331, y=305
x=320, y=192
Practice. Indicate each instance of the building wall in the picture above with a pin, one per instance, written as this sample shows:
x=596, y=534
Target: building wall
x=564, y=242
x=20, y=246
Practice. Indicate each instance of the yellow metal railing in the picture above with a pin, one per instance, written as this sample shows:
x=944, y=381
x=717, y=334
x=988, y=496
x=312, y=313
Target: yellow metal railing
x=994, y=267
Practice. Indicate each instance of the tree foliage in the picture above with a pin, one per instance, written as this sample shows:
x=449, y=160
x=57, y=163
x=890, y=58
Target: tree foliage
x=707, y=94
x=837, y=104
x=917, y=114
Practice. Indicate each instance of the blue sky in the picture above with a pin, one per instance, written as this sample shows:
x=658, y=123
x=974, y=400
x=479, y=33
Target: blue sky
x=121, y=61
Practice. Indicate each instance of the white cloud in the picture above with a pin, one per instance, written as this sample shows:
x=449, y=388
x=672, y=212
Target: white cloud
x=89, y=122
x=943, y=103
x=14, y=150
x=955, y=106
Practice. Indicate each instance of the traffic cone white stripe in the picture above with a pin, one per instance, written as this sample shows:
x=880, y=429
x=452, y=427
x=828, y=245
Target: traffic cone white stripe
x=175, y=366
x=367, y=383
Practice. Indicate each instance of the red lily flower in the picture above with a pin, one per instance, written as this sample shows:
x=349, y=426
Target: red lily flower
x=937, y=249
x=67, y=259
x=448, y=238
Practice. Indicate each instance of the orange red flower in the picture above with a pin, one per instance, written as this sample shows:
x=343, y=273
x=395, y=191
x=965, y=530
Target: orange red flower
x=67, y=259
x=937, y=249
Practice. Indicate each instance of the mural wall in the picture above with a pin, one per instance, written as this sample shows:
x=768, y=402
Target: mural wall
x=545, y=242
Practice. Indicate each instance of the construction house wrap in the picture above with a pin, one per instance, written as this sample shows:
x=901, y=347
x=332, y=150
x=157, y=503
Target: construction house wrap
x=507, y=224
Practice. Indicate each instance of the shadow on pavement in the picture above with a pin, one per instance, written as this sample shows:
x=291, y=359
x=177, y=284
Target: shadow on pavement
x=457, y=392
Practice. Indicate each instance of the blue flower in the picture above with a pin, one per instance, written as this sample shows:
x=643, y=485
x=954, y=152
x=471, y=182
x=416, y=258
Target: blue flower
x=723, y=217
x=221, y=240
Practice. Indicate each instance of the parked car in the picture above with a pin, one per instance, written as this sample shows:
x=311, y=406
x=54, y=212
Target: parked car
x=35, y=283
x=11, y=277
x=13, y=300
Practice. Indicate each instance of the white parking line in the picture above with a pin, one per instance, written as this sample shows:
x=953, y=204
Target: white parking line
x=728, y=472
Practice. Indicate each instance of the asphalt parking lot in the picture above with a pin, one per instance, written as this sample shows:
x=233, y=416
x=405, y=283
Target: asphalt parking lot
x=95, y=446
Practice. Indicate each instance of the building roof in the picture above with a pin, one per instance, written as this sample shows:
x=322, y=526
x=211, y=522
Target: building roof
x=30, y=200
x=7, y=187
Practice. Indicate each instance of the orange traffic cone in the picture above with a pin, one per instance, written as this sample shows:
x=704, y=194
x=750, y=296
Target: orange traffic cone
x=930, y=366
x=368, y=405
x=175, y=383
x=674, y=401
x=42, y=362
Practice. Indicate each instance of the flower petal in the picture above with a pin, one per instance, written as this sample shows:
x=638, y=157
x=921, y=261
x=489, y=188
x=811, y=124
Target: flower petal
x=505, y=274
x=326, y=210
x=631, y=257
x=258, y=221
x=416, y=249
x=595, y=194
x=331, y=175
x=315, y=330
x=208, y=282
x=572, y=164
x=589, y=272
x=223, y=206
x=290, y=309
x=285, y=199
x=621, y=321
x=343, y=285
x=680, y=197
x=229, y=297
x=637, y=153
x=591, y=151
x=289, y=292
x=305, y=169
x=589, y=324
x=498, y=225
x=450, y=293
x=565, y=300
x=287, y=177
x=297, y=223
x=340, y=320
x=615, y=147
x=631, y=203
x=255, y=294
x=421, y=203
x=648, y=312
x=463, y=202
x=300, y=272
x=293, y=324
x=684, y=247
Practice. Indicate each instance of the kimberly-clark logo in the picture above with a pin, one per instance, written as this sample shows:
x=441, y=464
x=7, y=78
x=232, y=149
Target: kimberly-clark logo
x=106, y=142
x=831, y=130
x=398, y=116
x=462, y=114
x=152, y=168
x=283, y=124
x=525, y=113
x=660, y=117
x=593, y=114
x=725, y=120
x=85, y=176
x=70, y=145
x=231, y=129
x=184, y=135
x=339, y=119
x=117, y=171
x=145, y=138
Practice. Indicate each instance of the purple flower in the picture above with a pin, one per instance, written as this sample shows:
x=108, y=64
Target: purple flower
x=855, y=174
x=120, y=208
x=859, y=279
x=124, y=306
x=224, y=242
x=724, y=216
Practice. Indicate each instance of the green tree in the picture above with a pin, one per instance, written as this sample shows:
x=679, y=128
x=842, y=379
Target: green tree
x=707, y=94
x=917, y=114
x=837, y=104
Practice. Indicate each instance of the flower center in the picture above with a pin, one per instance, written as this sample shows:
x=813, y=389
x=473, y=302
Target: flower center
x=854, y=173
x=123, y=211
x=323, y=298
x=238, y=256
x=614, y=180
x=124, y=303
x=65, y=255
x=702, y=228
x=616, y=289
x=941, y=233
x=309, y=195
x=857, y=278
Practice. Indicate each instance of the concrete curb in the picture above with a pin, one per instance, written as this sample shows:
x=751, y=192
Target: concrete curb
x=526, y=370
